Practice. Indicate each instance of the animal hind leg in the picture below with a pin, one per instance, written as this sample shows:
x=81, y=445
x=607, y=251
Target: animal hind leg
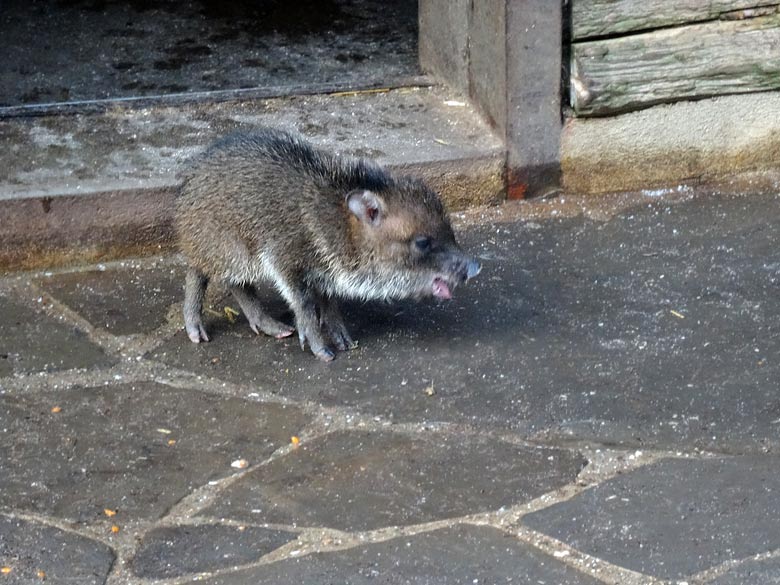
x=195, y=284
x=253, y=311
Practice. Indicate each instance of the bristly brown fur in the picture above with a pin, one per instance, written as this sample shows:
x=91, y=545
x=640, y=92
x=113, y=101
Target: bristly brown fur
x=268, y=206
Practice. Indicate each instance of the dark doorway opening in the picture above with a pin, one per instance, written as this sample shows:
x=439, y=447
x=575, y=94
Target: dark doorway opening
x=75, y=51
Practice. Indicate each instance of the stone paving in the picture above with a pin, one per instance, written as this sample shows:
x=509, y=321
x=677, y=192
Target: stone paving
x=599, y=407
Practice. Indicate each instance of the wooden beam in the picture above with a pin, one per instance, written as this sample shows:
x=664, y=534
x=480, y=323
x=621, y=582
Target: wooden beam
x=714, y=58
x=596, y=18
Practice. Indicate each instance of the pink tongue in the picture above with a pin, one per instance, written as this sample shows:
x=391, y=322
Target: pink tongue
x=440, y=289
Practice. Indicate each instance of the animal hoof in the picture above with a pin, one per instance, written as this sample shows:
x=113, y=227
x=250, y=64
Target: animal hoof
x=197, y=333
x=325, y=355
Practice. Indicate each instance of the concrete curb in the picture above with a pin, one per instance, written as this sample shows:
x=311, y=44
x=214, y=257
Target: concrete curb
x=42, y=232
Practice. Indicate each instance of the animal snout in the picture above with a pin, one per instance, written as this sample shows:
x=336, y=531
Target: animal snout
x=464, y=268
x=472, y=268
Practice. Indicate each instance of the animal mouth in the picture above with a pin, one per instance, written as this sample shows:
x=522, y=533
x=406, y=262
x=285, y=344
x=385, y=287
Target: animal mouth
x=441, y=289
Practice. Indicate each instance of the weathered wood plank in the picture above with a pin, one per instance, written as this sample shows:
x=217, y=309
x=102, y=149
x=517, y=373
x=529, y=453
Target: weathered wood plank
x=593, y=18
x=714, y=58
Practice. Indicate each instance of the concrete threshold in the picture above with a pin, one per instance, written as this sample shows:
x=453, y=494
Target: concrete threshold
x=100, y=185
x=718, y=141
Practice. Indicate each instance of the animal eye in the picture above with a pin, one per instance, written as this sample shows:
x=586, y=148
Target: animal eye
x=422, y=243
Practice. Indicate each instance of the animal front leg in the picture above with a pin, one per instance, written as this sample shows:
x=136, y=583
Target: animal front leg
x=304, y=303
x=308, y=325
x=332, y=324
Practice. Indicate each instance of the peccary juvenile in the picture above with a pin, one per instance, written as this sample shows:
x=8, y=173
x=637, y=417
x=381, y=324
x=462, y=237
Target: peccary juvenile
x=267, y=205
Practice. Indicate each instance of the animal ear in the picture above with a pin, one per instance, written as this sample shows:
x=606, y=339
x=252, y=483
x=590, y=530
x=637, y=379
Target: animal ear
x=366, y=205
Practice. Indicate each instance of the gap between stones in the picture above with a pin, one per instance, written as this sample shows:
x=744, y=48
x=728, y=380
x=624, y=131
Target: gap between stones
x=601, y=467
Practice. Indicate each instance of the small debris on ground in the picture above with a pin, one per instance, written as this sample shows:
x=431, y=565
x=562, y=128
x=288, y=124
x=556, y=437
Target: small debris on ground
x=231, y=314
